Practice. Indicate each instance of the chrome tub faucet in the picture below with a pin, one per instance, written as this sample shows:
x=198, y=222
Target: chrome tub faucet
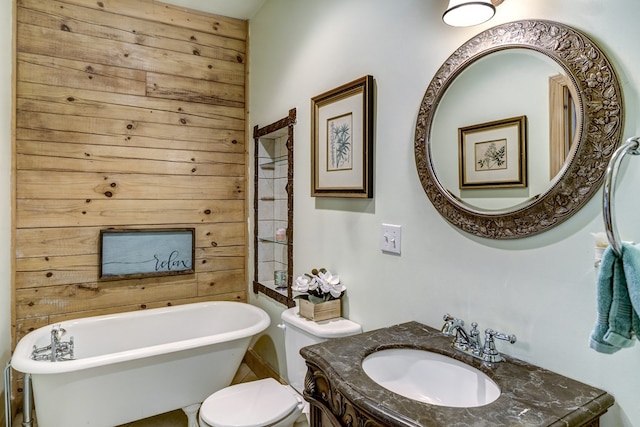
x=57, y=350
x=470, y=342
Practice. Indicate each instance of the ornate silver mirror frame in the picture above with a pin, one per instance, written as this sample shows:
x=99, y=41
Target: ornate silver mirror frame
x=599, y=102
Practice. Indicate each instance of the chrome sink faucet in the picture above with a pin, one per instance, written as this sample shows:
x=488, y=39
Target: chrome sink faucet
x=470, y=342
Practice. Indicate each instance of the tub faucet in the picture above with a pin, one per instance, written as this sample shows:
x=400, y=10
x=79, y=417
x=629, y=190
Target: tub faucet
x=57, y=350
x=470, y=342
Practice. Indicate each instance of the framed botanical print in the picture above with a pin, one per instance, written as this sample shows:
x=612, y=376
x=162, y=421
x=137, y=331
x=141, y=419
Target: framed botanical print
x=342, y=141
x=493, y=154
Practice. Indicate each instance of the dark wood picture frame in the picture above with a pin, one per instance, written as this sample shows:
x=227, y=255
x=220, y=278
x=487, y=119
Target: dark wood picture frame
x=493, y=154
x=342, y=141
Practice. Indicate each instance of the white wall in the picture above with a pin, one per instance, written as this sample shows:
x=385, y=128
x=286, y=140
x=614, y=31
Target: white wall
x=540, y=288
x=6, y=24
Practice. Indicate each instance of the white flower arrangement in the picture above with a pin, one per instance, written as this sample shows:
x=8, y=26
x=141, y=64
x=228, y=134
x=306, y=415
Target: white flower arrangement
x=321, y=285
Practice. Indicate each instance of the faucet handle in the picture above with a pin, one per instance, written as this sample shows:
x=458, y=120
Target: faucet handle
x=490, y=354
x=58, y=331
x=502, y=336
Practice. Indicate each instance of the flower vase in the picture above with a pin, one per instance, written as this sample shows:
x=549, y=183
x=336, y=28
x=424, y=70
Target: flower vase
x=321, y=310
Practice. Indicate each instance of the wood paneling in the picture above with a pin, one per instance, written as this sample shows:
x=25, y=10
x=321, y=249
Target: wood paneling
x=129, y=114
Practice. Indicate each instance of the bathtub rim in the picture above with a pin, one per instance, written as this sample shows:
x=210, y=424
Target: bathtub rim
x=21, y=357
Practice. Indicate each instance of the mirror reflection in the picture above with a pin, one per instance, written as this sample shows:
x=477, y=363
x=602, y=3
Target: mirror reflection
x=509, y=83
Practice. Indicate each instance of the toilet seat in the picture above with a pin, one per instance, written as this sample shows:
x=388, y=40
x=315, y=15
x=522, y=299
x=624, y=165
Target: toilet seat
x=253, y=404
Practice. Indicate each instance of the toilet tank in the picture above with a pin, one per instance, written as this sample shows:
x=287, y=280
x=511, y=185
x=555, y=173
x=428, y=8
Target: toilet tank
x=300, y=332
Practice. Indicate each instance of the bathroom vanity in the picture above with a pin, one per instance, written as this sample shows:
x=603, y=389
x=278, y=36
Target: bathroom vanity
x=341, y=393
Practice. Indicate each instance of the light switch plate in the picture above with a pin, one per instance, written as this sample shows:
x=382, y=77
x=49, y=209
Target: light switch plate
x=391, y=239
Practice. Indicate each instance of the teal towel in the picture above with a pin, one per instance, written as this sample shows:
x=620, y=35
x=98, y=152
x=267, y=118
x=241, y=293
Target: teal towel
x=618, y=299
x=631, y=264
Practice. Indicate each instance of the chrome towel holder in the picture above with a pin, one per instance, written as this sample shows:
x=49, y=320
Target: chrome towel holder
x=631, y=146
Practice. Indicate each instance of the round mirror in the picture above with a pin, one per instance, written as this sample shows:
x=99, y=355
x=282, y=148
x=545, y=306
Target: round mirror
x=516, y=129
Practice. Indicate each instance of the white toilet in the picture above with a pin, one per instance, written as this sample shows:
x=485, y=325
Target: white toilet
x=267, y=403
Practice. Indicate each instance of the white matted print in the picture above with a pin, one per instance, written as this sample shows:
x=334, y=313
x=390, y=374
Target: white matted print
x=330, y=175
x=493, y=154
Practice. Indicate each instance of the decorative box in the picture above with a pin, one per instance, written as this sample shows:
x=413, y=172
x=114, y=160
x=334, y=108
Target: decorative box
x=320, y=311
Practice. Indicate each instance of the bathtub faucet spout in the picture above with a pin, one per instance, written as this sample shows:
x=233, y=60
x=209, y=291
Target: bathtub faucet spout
x=57, y=350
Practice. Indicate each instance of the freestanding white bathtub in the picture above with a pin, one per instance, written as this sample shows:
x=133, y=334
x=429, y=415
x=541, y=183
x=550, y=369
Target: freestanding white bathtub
x=134, y=365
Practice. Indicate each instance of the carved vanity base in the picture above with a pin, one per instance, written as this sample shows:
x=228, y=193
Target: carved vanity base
x=329, y=407
x=341, y=394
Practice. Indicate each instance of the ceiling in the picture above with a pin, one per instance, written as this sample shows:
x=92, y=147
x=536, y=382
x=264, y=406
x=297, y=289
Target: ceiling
x=241, y=9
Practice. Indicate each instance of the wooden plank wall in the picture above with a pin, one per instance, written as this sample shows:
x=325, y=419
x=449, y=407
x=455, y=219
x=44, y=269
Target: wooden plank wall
x=129, y=114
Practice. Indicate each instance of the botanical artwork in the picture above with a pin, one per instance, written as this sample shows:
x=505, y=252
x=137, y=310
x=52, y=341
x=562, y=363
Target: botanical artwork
x=342, y=141
x=339, y=144
x=491, y=155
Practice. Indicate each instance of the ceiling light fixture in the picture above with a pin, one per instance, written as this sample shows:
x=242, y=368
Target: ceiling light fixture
x=465, y=13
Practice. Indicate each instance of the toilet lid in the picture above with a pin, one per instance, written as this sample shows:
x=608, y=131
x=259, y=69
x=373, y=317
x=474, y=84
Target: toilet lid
x=252, y=404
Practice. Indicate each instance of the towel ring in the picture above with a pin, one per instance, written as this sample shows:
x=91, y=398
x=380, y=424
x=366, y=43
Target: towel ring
x=630, y=146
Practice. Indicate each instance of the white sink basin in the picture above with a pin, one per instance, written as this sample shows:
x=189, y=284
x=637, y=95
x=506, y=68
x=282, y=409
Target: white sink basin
x=430, y=377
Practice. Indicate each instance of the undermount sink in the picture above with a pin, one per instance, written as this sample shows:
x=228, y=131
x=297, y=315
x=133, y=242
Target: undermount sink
x=430, y=377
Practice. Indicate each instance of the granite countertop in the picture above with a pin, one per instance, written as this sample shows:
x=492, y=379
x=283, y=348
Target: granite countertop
x=531, y=396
